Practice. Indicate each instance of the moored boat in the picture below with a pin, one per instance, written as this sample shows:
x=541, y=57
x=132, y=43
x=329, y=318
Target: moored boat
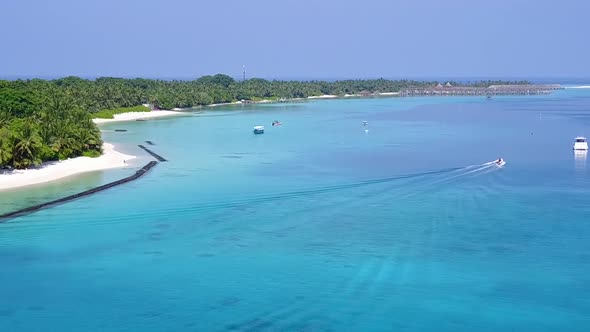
x=580, y=143
x=258, y=130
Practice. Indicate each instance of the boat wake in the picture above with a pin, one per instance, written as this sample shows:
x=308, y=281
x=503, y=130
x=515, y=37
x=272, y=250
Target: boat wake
x=406, y=186
x=578, y=87
x=429, y=184
x=398, y=187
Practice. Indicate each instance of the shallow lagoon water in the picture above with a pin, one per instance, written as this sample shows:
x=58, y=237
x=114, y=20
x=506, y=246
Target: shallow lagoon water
x=319, y=226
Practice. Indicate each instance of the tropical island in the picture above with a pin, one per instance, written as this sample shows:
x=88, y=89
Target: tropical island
x=52, y=120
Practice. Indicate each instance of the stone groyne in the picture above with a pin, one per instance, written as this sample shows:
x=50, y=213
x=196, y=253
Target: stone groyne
x=14, y=214
x=155, y=155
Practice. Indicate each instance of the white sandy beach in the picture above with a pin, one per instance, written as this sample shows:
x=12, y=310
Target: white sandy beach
x=61, y=169
x=578, y=87
x=322, y=97
x=223, y=104
x=132, y=116
x=378, y=94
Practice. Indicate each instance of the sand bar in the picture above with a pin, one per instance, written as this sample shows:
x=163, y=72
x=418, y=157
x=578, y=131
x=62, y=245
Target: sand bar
x=322, y=97
x=132, y=116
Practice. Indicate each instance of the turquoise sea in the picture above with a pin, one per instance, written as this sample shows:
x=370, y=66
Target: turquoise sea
x=318, y=225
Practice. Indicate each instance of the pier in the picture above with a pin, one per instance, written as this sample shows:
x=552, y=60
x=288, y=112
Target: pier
x=14, y=214
x=492, y=90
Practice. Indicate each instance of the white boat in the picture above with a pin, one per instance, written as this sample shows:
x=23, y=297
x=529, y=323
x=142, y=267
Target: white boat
x=258, y=130
x=580, y=143
x=500, y=162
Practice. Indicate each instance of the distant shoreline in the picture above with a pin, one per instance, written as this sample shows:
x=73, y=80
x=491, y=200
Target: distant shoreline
x=459, y=91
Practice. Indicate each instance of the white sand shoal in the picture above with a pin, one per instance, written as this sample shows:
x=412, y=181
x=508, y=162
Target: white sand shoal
x=223, y=104
x=61, y=169
x=379, y=94
x=578, y=87
x=131, y=116
x=322, y=97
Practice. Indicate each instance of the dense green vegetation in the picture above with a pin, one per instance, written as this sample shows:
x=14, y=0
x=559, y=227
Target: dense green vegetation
x=112, y=93
x=110, y=114
x=487, y=83
x=39, y=125
x=44, y=120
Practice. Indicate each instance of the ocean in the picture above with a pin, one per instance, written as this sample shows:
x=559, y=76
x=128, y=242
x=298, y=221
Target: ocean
x=320, y=224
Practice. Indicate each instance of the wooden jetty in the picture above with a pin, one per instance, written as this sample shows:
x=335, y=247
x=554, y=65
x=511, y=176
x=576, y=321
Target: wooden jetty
x=492, y=90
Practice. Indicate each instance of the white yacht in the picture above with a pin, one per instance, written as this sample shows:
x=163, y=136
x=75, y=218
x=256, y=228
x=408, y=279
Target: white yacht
x=580, y=143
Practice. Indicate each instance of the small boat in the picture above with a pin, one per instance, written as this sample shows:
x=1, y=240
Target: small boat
x=258, y=130
x=276, y=123
x=580, y=143
x=500, y=162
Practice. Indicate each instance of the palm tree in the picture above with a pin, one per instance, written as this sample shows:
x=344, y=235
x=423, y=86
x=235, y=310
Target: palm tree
x=27, y=145
x=5, y=147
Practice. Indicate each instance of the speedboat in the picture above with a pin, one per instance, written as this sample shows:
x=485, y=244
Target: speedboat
x=276, y=123
x=580, y=143
x=500, y=162
x=258, y=130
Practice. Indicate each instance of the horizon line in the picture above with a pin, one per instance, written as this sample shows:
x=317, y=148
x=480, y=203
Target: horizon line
x=12, y=77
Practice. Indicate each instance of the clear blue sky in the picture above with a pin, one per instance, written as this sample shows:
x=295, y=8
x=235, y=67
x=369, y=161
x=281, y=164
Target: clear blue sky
x=296, y=38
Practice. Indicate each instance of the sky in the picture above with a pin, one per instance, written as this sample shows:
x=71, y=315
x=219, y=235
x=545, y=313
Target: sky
x=295, y=39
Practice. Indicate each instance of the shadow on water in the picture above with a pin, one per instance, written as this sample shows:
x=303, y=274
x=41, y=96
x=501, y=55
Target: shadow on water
x=18, y=198
x=580, y=157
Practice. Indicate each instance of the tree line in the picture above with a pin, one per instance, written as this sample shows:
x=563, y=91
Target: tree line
x=111, y=93
x=42, y=120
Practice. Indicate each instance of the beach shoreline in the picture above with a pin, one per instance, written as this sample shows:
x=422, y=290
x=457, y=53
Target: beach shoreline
x=57, y=170
x=132, y=116
x=110, y=158
x=271, y=101
x=322, y=97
